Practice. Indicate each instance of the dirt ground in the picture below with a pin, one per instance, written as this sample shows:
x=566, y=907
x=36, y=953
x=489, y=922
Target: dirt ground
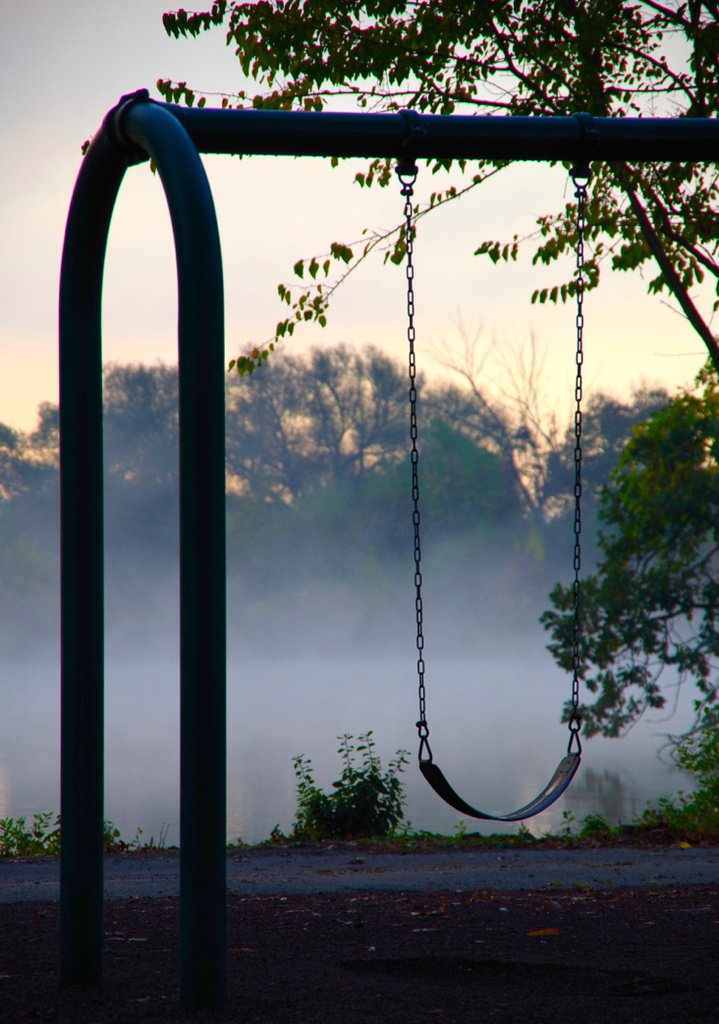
x=580, y=954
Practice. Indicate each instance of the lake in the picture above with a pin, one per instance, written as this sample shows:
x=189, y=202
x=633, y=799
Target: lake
x=493, y=720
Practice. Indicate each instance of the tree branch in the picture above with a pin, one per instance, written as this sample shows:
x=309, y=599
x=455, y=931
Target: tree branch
x=670, y=15
x=688, y=247
x=665, y=265
x=677, y=79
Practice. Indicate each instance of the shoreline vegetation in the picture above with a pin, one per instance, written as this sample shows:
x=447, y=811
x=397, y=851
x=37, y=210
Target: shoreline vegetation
x=659, y=825
x=365, y=806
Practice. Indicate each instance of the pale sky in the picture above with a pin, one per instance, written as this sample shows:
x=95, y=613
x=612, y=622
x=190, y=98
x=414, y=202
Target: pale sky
x=64, y=63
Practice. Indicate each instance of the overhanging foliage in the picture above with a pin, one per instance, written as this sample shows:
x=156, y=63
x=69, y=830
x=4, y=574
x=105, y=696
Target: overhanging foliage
x=653, y=604
x=611, y=58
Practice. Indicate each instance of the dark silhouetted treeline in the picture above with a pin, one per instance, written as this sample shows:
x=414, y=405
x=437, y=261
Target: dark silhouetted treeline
x=319, y=510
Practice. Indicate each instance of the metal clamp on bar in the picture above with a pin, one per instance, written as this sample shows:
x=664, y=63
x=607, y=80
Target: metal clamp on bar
x=414, y=131
x=114, y=125
x=589, y=141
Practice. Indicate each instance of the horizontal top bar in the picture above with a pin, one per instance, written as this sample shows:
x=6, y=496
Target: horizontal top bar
x=296, y=133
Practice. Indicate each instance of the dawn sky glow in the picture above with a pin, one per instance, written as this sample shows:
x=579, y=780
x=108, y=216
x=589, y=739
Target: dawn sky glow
x=65, y=63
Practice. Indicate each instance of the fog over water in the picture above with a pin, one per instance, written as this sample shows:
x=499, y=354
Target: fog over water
x=321, y=601
x=493, y=712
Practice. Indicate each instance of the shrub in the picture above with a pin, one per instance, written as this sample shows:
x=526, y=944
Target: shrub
x=18, y=839
x=365, y=801
x=698, y=811
x=594, y=826
x=698, y=754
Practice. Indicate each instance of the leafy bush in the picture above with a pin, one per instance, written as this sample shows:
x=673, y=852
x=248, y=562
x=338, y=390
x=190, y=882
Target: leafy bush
x=699, y=754
x=18, y=839
x=365, y=801
x=696, y=812
x=594, y=826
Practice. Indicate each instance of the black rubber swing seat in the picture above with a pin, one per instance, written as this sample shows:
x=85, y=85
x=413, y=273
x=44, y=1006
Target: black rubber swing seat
x=563, y=775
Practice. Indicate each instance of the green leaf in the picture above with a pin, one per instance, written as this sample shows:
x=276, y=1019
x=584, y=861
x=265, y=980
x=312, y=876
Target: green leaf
x=341, y=252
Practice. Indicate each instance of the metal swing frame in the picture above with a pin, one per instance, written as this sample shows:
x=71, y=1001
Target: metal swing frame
x=134, y=131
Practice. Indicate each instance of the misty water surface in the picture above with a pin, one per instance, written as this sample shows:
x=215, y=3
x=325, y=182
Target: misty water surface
x=321, y=598
x=494, y=731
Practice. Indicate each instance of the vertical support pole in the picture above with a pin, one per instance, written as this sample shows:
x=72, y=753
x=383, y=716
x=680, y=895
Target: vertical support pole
x=132, y=131
x=203, y=838
x=81, y=502
x=203, y=830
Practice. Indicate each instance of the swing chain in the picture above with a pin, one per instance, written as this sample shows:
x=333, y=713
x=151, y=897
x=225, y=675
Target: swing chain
x=407, y=176
x=580, y=177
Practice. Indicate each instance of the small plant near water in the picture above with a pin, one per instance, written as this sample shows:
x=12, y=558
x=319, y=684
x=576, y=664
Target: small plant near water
x=18, y=839
x=567, y=819
x=366, y=801
x=42, y=837
x=699, y=754
x=595, y=826
x=697, y=811
x=138, y=844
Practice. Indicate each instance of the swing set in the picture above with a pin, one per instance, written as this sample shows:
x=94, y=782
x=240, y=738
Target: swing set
x=134, y=131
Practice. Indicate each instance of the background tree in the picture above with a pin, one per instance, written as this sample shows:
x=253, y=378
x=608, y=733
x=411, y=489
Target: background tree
x=141, y=458
x=503, y=405
x=612, y=58
x=318, y=500
x=319, y=470
x=29, y=542
x=334, y=413
x=653, y=604
x=28, y=461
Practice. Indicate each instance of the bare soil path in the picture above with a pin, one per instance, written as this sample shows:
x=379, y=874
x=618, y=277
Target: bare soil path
x=366, y=953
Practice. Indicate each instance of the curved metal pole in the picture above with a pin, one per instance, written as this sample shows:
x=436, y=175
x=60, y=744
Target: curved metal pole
x=131, y=132
x=81, y=530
